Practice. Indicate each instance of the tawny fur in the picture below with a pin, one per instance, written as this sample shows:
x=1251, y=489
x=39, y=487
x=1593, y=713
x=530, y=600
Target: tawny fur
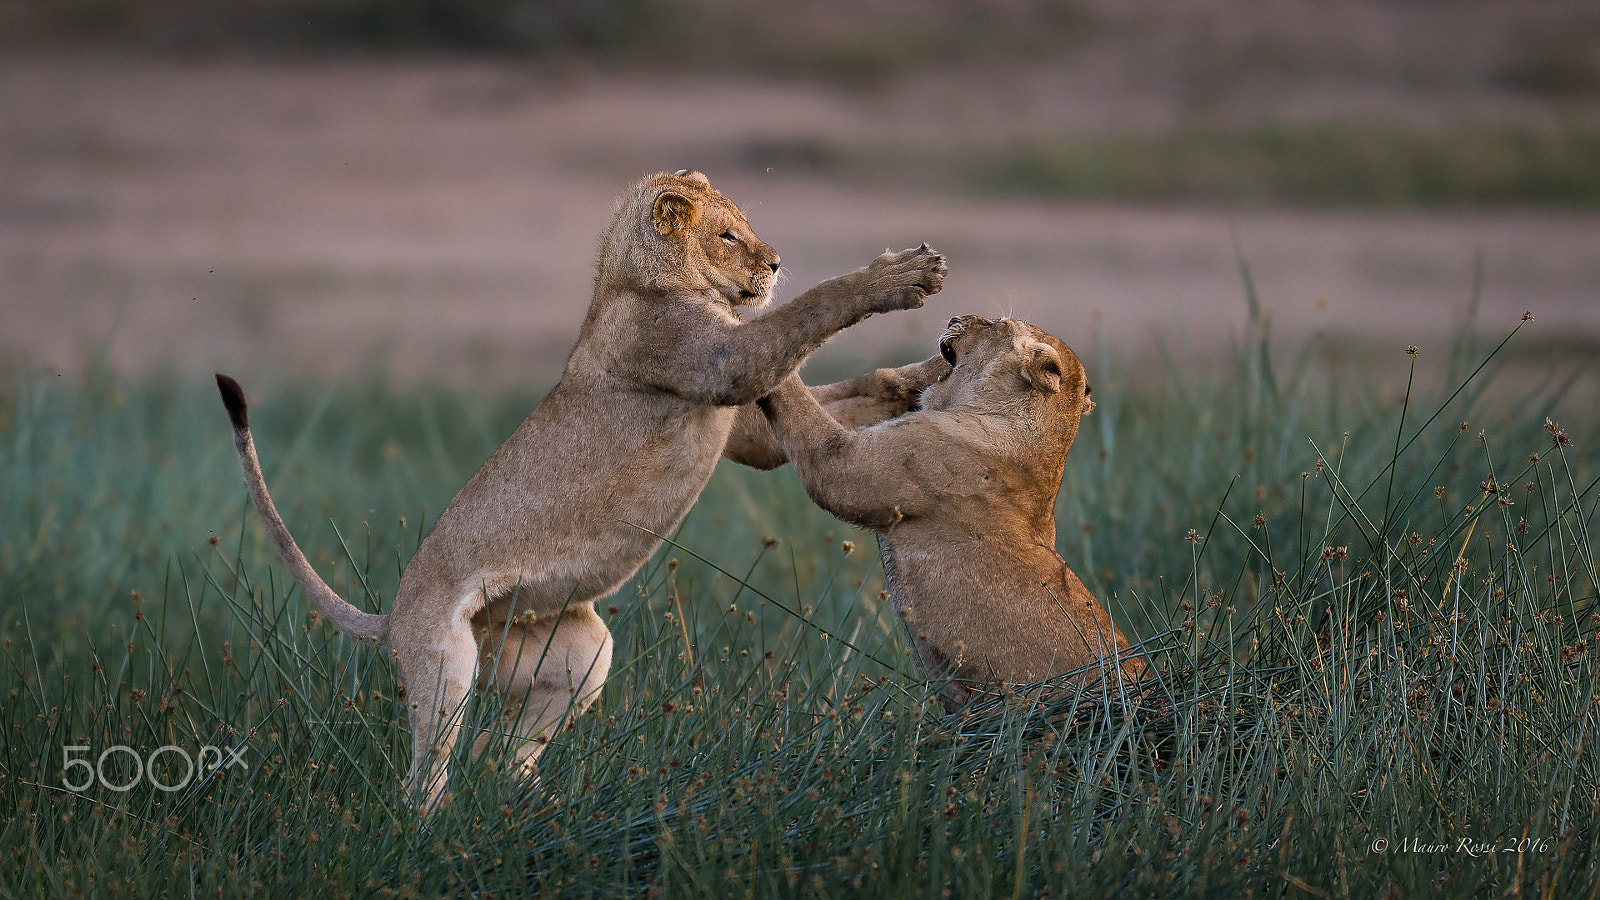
x=572, y=503
x=964, y=489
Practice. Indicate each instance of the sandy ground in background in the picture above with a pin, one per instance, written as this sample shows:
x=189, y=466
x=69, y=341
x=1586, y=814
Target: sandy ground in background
x=439, y=220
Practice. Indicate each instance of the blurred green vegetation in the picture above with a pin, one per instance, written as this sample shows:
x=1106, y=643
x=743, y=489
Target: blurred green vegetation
x=1544, y=48
x=849, y=42
x=1546, y=61
x=1369, y=163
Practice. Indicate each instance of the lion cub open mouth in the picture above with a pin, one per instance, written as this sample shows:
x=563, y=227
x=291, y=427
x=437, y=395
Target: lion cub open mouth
x=963, y=491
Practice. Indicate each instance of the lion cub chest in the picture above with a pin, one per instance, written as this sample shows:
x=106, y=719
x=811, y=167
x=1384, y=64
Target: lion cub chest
x=991, y=610
x=574, y=501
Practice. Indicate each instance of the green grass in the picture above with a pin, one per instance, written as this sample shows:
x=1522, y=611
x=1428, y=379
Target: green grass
x=1361, y=163
x=1358, y=641
x=1333, y=163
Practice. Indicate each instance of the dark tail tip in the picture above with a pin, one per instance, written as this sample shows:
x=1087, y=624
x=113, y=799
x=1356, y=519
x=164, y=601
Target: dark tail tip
x=233, y=399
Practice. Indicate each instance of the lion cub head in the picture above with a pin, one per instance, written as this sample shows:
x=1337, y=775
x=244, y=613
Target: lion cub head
x=675, y=232
x=1005, y=365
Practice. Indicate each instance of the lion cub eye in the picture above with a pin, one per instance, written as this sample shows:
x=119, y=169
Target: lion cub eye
x=728, y=236
x=948, y=352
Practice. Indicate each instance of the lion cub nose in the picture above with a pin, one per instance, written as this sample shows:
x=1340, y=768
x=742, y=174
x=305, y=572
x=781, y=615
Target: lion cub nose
x=774, y=265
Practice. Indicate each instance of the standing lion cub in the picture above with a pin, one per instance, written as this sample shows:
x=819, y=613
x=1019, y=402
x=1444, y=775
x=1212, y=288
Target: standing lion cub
x=963, y=491
x=502, y=590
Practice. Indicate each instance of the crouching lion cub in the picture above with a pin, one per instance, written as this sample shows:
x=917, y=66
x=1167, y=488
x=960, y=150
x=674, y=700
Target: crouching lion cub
x=501, y=592
x=962, y=491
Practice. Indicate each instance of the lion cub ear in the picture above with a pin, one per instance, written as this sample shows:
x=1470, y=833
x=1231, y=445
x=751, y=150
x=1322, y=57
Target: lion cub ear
x=1043, y=368
x=674, y=212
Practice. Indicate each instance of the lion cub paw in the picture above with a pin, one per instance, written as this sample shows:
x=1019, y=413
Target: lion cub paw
x=903, y=280
x=906, y=382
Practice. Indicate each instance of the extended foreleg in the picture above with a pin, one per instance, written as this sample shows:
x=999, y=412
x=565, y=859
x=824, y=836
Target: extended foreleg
x=867, y=476
x=732, y=362
x=877, y=396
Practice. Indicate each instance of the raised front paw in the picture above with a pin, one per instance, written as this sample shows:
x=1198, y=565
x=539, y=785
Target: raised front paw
x=906, y=382
x=903, y=280
x=917, y=376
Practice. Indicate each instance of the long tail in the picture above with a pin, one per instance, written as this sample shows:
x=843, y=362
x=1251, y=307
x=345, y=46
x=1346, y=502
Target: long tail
x=344, y=617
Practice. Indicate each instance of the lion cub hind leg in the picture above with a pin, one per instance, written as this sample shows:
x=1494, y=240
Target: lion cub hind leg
x=936, y=667
x=549, y=670
x=436, y=666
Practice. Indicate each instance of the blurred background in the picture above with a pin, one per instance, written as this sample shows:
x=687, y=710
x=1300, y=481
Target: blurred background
x=285, y=188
